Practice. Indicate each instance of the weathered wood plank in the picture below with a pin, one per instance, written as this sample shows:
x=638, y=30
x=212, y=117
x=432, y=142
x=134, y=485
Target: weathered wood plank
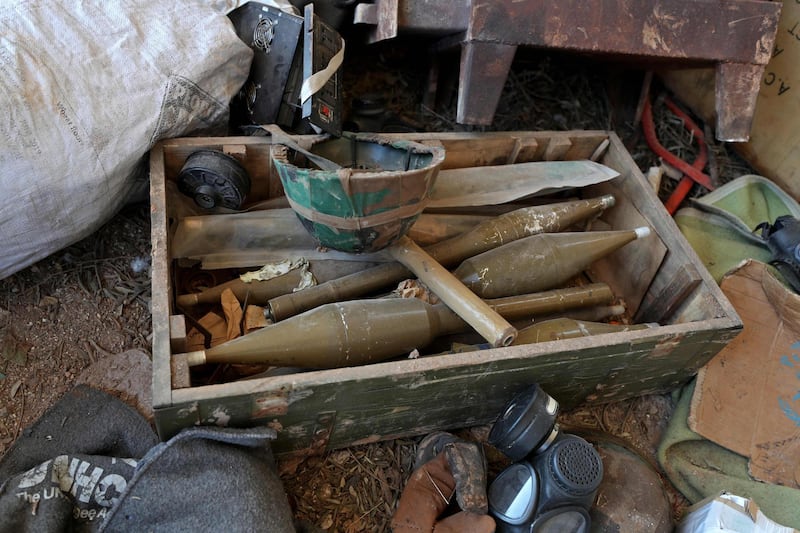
x=683, y=283
x=633, y=186
x=640, y=259
x=495, y=148
x=482, y=76
x=161, y=280
x=412, y=397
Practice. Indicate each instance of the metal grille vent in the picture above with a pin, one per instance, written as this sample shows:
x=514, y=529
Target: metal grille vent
x=576, y=466
x=263, y=34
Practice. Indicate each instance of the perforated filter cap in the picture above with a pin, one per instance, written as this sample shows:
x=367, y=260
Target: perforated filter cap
x=575, y=466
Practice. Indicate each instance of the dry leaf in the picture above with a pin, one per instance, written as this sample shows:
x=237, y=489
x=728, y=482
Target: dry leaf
x=14, y=388
x=327, y=522
x=14, y=350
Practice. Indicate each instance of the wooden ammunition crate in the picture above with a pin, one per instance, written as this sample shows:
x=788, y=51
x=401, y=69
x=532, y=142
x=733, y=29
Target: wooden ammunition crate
x=660, y=278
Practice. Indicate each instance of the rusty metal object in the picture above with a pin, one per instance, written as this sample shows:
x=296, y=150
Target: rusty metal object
x=631, y=496
x=737, y=36
x=322, y=433
x=468, y=466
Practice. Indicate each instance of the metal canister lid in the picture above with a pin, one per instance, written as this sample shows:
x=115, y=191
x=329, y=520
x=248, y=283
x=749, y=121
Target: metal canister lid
x=527, y=422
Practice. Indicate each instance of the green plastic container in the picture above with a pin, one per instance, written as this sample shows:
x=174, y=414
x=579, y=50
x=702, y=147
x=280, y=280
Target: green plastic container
x=368, y=203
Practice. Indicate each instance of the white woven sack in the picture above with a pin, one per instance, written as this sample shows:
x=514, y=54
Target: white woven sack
x=86, y=89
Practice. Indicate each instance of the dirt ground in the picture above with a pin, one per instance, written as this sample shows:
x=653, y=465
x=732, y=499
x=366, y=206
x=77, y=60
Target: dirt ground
x=91, y=300
x=77, y=306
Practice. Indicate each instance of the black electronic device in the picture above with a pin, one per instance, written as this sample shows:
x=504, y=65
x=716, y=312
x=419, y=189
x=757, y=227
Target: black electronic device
x=783, y=240
x=321, y=44
x=274, y=35
x=287, y=50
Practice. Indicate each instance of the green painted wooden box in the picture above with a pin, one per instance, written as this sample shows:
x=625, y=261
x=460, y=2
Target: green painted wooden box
x=663, y=282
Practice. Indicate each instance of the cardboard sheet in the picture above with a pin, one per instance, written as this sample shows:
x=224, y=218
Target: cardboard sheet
x=747, y=398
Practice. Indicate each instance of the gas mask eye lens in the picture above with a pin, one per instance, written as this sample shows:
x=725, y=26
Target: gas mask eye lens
x=514, y=494
x=573, y=519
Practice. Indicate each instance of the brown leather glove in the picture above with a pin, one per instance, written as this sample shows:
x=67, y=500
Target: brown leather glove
x=427, y=494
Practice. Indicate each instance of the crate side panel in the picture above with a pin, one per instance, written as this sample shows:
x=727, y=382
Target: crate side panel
x=161, y=283
x=391, y=404
x=680, y=253
x=171, y=420
x=462, y=397
x=672, y=361
x=499, y=148
x=640, y=259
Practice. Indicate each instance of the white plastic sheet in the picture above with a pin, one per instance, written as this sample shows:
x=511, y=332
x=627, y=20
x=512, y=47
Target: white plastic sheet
x=86, y=89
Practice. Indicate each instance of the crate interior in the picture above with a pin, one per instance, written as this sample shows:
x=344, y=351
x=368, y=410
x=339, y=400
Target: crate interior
x=657, y=278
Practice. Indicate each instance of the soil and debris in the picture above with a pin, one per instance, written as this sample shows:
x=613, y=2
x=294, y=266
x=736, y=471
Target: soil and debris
x=91, y=300
x=84, y=303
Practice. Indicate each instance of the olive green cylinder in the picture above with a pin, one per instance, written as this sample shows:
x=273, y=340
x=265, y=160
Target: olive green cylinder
x=553, y=301
x=569, y=328
x=516, y=225
x=259, y=292
x=339, y=334
x=254, y=291
x=360, y=332
x=539, y=262
x=598, y=313
x=487, y=235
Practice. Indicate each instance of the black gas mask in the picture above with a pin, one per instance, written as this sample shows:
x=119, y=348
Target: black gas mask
x=783, y=241
x=552, y=484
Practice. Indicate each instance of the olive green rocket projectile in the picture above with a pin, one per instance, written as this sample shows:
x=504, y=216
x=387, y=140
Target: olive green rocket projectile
x=539, y=262
x=487, y=235
x=254, y=291
x=597, y=313
x=569, y=328
x=359, y=332
x=259, y=292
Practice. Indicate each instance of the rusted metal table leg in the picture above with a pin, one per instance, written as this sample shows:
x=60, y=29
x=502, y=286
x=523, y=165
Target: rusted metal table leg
x=737, y=86
x=483, y=72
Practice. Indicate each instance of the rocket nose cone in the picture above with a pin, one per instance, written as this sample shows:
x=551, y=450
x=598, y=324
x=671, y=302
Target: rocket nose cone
x=467, y=274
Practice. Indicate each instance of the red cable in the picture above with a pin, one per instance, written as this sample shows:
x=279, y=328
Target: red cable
x=693, y=171
x=685, y=185
x=702, y=157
